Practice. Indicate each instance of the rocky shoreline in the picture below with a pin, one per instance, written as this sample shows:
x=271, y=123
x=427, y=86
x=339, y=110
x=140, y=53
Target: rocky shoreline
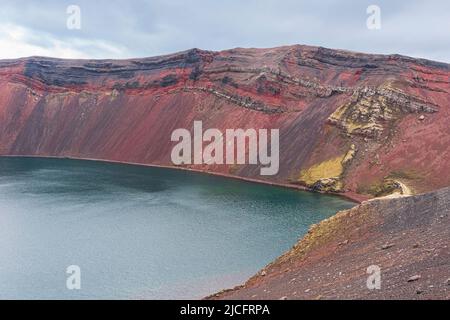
x=348, y=196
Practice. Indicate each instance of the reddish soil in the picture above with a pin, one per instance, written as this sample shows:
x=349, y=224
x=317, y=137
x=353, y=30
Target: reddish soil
x=126, y=110
x=387, y=114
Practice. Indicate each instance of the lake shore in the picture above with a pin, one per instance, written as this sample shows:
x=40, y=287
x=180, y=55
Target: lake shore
x=353, y=197
x=221, y=230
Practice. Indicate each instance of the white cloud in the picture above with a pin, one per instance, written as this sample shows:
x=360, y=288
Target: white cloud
x=17, y=41
x=138, y=28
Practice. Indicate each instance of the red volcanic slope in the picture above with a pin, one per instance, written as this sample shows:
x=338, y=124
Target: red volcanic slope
x=349, y=122
x=405, y=238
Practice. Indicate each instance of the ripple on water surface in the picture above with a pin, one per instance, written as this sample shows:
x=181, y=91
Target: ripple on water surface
x=140, y=232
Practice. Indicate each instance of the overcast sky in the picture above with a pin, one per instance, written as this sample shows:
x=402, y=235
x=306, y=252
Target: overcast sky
x=138, y=28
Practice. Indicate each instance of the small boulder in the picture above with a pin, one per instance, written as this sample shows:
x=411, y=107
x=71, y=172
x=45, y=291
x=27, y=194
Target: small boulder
x=414, y=278
x=387, y=246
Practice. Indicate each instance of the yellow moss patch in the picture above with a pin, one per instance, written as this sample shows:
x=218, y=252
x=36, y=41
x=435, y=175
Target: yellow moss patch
x=350, y=154
x=328, y=169
x=381, y=189
x=366, y=112
x=337, y=115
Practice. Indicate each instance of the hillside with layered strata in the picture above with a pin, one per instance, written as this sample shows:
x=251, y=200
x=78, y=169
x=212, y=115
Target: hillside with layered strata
x=357, y=124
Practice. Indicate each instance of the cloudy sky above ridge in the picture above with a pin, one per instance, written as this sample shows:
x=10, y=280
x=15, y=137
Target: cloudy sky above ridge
x=138, y=28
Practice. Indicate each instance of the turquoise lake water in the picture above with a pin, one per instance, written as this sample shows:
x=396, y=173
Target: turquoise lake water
x=139, y=232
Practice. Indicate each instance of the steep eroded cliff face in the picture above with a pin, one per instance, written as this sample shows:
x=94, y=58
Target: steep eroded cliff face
x=349, y=122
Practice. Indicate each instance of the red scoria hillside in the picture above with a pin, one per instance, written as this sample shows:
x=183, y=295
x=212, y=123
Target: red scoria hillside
x=364, y=125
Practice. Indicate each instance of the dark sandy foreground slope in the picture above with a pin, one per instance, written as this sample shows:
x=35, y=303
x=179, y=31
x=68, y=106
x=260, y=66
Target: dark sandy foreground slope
x=408, y=238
